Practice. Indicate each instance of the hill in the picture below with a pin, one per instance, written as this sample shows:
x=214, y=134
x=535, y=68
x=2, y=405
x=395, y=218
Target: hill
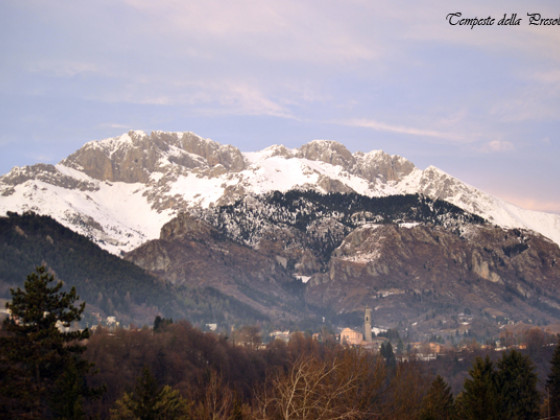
x=108, y=284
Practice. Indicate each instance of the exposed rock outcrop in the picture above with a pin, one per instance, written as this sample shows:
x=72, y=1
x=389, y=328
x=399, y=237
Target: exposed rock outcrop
x=134, y=156
x=194, y=254
x=47, y=174
x=405, y=272
x=379, y=166
x=327, y=151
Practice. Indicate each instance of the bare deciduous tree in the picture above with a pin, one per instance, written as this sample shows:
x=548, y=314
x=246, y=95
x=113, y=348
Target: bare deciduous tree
x=341, y=386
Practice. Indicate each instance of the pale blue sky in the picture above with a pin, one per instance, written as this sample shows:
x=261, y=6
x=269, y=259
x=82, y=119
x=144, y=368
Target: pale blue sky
x=483, y=104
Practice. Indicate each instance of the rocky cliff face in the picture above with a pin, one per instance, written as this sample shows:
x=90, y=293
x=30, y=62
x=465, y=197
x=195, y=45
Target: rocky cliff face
x=44, y=173
x=134, y=157
x=192, y=253
x=405, y=273
x=418, y=263
x=373, y=166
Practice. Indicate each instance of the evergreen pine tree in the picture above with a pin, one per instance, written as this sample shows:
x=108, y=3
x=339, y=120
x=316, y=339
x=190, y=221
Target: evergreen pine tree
x=149, y=401
x=479, y=399
x=553, y=384
x=517, y=387
x=438, y=402
x=387, y=352
x=42, y=355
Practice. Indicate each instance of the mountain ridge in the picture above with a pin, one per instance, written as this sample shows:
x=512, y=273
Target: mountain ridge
x=418, y=263
x=161, y=174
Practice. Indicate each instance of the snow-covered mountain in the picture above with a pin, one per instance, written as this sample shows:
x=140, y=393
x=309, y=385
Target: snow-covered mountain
x=120, y=191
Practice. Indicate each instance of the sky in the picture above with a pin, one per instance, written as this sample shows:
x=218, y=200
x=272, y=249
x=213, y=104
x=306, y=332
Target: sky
x=480, y=102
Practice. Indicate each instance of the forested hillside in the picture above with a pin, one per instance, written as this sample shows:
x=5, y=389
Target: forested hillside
x=110, y=285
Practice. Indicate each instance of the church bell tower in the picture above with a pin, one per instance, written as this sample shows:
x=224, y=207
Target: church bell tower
x=367, y=325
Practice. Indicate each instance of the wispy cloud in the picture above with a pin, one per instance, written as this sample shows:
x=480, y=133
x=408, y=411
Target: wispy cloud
x=63, y=67
x=207, y=97
x=246, y=99
x=285, y=30
x=414, y=131
x=115, y=125
x=497, y=146
x=533, y=103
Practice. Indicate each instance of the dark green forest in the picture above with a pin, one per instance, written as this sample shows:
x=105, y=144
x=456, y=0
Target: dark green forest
x=110, y=285
x=300, y=209
x=107, y=283
x=318, y=222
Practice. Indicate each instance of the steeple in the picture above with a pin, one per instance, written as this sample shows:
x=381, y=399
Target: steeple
x=367, y=325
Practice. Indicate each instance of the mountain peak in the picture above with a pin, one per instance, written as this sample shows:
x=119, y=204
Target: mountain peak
x=134, y=156
x=380, y=166
x=161, y=174
x=327, y=151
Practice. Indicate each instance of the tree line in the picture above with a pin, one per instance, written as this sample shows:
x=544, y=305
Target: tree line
x=50, y=370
